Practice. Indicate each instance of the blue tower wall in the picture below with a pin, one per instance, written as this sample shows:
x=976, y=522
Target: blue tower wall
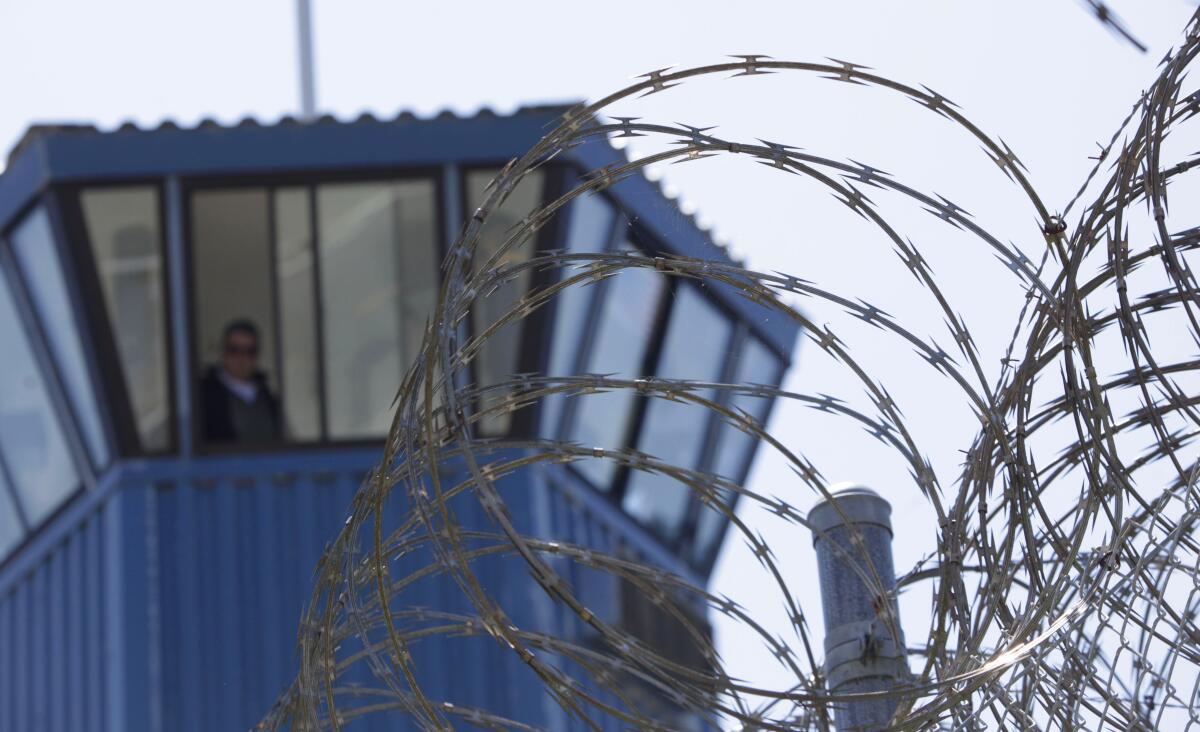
x=171, y=598
x=166, y=593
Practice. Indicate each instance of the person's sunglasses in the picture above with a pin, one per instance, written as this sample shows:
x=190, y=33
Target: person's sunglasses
x=241, y=350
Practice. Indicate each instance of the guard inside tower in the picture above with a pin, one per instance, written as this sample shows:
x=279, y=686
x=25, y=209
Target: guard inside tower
x=236, y=402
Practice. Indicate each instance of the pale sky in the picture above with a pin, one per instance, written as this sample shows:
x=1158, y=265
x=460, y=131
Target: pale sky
x=1041, y=74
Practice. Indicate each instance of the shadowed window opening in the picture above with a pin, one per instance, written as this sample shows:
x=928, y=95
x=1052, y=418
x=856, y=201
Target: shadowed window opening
x=337, y=279
x=499, y=358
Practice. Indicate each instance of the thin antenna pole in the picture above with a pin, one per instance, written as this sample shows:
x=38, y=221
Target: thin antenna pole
x=308, y=84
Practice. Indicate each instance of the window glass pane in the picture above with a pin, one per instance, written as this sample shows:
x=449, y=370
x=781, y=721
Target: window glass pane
x=123, y=229
x=590, y=225
x=499, y=359
x=231, y=257
x=10, y=526
x=297, y=307
x=379, y=278
x=628, y=307
x=694, y=348
x=753, y=364
x=37, y=255
x=32, y=443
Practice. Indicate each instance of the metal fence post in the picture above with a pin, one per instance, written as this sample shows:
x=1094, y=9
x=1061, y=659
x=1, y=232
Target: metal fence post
x=862, y=653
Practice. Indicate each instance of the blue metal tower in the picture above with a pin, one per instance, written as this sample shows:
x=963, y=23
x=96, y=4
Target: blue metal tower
x=151, y=576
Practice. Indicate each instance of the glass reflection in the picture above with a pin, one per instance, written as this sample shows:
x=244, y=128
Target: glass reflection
x=674, y=432
x=625, y=324
x=37, y=255
x=378, y=265
x=125, y=237
x=10, y=525
x=590, y=226
x=754, y=363
x=295, y=280
x=32, y=442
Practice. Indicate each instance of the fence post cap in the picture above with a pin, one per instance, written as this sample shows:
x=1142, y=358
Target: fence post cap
x=858, y=504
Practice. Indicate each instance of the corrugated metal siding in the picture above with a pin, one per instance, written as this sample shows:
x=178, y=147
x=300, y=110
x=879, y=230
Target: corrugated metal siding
x=580, y=517
x=54, y=637
x=173, y=604
x=236, y=556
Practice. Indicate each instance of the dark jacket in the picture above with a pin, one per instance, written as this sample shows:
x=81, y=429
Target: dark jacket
x=216, y=408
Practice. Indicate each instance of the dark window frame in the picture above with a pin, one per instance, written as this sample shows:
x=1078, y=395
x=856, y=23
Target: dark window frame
x=90, y=342
x=664, y=309
x=60, y=403
x=616, y=489
x=742, y=330
x=534, y=348
x=187, y=189
x=742, y=335
x=126, y=439
x=62, y=204
x=271, y=183
x=39, y=339
x=651, y=245
x=667, y=310
x=583, y=340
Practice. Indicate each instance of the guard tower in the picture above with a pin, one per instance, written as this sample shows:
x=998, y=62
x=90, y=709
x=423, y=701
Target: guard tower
x=152, y=579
